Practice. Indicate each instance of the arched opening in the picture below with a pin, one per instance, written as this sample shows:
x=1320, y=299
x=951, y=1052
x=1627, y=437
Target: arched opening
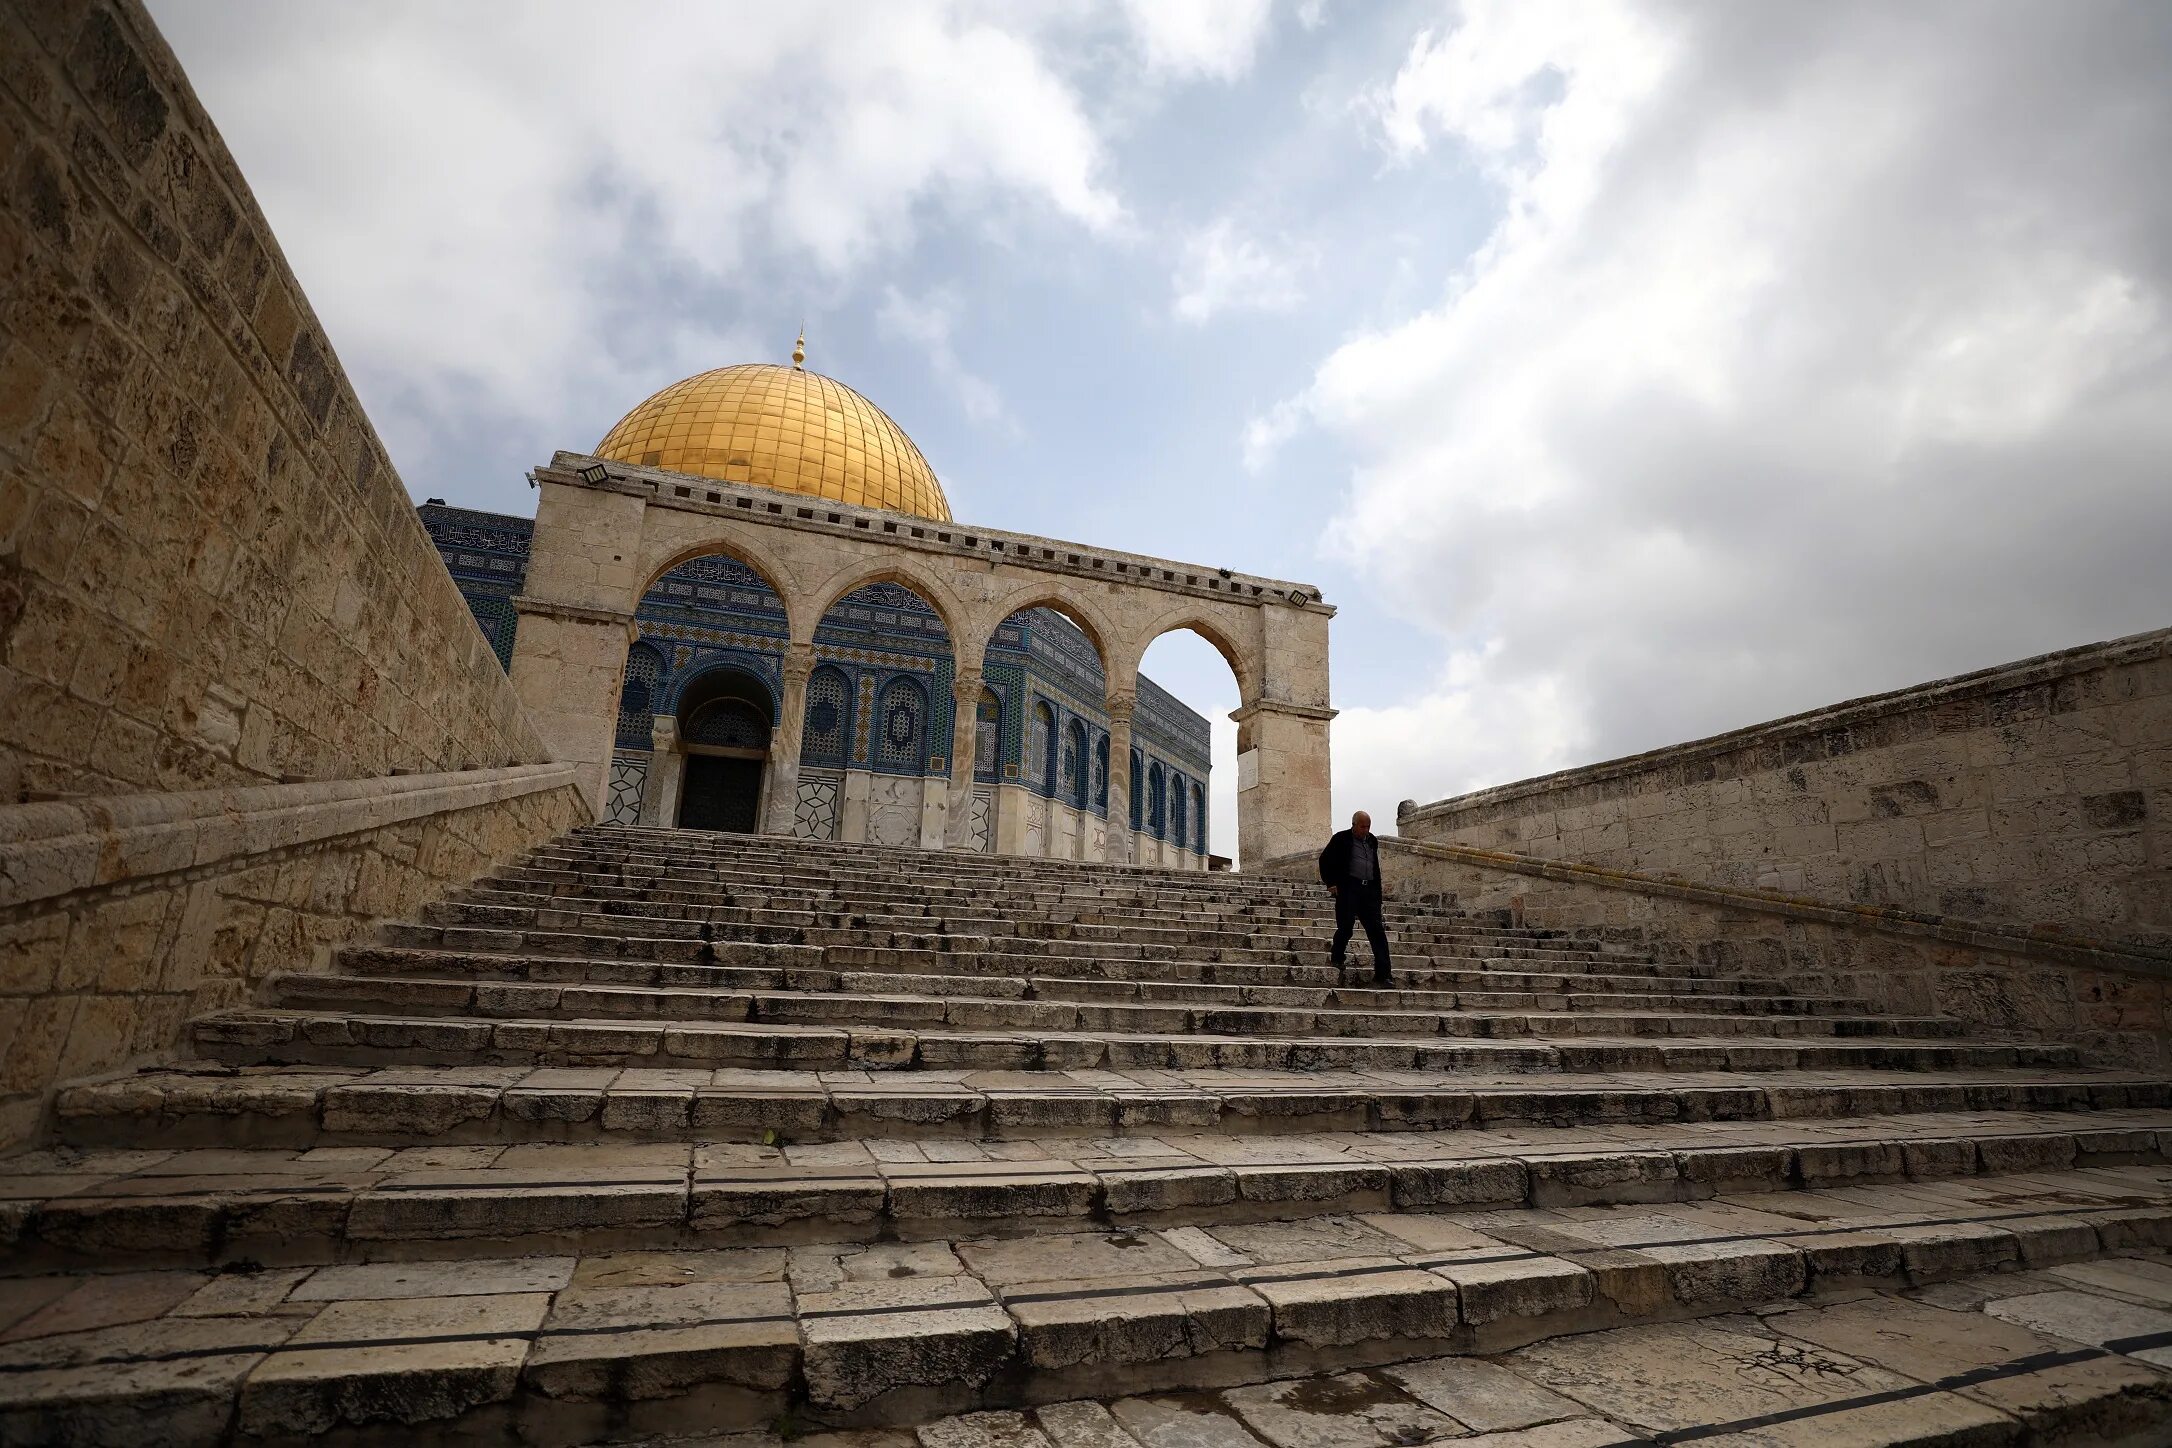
x=1050, y=791
x=703, y=613
x=724, y=717
x=875, y=737
x=1187, y=690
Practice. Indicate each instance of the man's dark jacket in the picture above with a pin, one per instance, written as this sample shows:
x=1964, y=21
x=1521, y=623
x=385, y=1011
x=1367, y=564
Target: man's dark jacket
x=1335, y=860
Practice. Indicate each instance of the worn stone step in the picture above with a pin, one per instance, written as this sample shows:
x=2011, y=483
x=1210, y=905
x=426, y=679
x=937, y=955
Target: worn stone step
x=300, y=1106
x=447, y=995
x=272, y=1036
x=902, y=960
x=582, y=1343
x=164, y=1206
x=769, y=970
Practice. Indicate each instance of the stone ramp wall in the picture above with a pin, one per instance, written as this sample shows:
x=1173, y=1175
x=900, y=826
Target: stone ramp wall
x=2036, y=795
x=2113, y=1001
x=211, y=579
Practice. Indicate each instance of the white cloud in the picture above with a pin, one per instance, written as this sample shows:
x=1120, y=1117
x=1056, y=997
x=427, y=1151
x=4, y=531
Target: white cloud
x=1816, y=350
x=1223, y=269
x=927, y=322
x=1466, y=730
x=1216, y=39
x=502, y=208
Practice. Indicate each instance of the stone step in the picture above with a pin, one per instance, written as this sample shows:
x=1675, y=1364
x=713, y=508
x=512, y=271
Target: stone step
x=271, y=1036
x=1472, y=989
x=159, y=1205
x=451, y=996
x=301, y=1106
x=2068, y=1356
x=914, y=911
x=943, y=957
x=585, y=1342
x=835, y=925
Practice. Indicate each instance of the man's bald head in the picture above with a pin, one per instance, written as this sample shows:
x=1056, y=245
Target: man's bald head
x=1361, y=823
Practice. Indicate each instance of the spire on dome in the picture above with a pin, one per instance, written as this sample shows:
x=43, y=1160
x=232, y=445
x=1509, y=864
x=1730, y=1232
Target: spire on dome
x=799, y=349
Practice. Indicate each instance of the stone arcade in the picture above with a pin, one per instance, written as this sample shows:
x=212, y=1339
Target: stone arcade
x=1805, y=1084
x=699, y=711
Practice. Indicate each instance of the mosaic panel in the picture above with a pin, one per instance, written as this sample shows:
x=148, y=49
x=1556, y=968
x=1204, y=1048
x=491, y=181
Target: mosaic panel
x=622, y=799
x=814, y=814
x=980, y=820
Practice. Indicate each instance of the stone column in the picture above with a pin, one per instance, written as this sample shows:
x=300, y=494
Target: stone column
x=1283, y=802
x=667, y=769
x=965, y=688
x=1120, y=843
x=569, y=662
x=783, y=771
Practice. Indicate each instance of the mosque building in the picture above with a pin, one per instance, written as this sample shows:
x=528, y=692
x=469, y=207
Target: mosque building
x=703, y=677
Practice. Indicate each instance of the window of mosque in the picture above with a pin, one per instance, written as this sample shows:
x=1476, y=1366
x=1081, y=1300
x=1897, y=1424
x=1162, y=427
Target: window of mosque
x=1041, y=745
x=1074, y=764
x=1199, y=817
x=987, y=735
x=1157, y=799
x=1138, y=788
x=1177, y=795
x=828, y=728
x=636, y=697
x=903, y=716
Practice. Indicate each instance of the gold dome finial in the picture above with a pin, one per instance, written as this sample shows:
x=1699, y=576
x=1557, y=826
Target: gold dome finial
x=799, y=349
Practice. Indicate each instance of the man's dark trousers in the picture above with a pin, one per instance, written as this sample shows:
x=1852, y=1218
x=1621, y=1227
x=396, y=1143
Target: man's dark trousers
x=1358, y=903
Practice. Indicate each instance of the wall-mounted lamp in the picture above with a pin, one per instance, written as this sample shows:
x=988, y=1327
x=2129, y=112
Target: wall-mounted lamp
x=595, y=473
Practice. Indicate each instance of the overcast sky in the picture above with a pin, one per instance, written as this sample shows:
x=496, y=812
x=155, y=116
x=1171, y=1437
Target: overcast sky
x=1624, y=372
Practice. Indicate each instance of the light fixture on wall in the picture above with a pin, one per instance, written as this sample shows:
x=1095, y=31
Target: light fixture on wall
x=595, y=473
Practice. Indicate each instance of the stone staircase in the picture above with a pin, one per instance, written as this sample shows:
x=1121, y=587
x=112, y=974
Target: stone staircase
x=665, y=1132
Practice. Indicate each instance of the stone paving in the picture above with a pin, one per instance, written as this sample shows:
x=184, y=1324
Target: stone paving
x=365, y=1211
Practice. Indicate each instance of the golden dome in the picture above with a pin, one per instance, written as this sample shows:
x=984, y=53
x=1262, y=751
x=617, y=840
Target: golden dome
x=784, y=428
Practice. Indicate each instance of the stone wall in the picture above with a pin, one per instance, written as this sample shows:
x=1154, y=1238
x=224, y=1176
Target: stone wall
x=2037, y=795
x=211, y=579
x=2113, y=1001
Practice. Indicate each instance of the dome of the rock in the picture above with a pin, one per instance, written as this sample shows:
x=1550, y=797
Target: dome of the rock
x=780, y=427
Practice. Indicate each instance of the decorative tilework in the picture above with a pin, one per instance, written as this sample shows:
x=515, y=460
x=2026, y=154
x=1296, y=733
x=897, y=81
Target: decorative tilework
x=815, y=810
x=622, y=799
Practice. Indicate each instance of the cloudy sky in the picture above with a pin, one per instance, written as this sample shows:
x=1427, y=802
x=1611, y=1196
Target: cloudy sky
x=1626, y=372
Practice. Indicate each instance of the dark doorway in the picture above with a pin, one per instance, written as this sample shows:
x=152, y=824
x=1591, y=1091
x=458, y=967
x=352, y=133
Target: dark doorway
x=720, y=794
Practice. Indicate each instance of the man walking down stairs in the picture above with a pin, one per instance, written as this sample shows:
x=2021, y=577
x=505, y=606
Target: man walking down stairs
x=659, y=1133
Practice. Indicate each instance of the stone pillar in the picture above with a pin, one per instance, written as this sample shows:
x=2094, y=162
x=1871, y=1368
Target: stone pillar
x=1283, y=780
x=1283, y=799
x=781, y=782
x=667, y=770
x=569, y=663
x=1120, y=843
x=1010, y=833
x=965, y=688
x=852, y=806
